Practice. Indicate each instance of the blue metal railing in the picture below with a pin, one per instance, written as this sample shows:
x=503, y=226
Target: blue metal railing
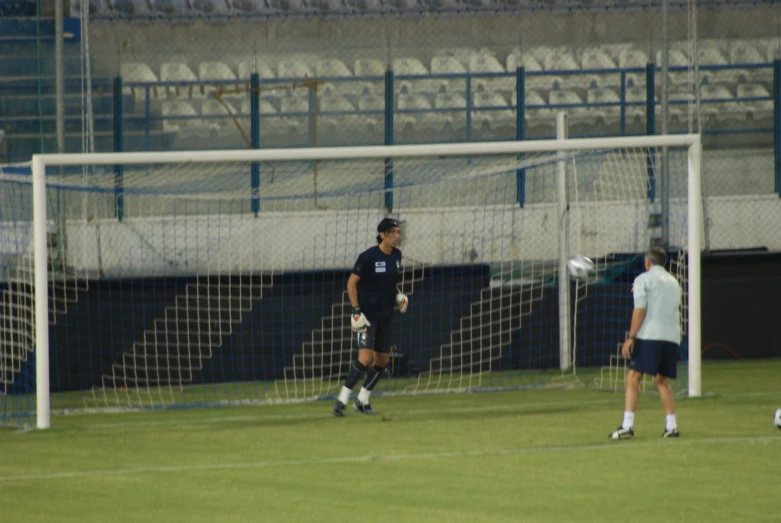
x=149, y=122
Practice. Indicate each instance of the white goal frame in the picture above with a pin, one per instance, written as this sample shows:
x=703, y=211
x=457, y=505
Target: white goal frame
x=41, y=161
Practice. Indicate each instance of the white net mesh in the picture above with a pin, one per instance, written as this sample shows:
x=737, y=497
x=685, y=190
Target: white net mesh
x=224, y=283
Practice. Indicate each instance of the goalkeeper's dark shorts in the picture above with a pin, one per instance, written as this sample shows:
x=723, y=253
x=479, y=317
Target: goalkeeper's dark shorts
x=377, y=336
x=655, y=357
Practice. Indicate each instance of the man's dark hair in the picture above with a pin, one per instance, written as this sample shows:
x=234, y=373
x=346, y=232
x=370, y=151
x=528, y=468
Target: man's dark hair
x=656, y=256
x=384, y=226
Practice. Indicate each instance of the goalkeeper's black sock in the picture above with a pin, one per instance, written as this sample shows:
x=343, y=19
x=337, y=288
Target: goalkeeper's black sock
x=372, y=378
x=357, y=370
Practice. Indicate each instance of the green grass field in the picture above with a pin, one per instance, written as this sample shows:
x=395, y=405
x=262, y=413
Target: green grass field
x=538, y=455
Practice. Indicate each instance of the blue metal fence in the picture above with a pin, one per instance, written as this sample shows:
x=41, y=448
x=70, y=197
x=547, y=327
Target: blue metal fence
x=148, y=121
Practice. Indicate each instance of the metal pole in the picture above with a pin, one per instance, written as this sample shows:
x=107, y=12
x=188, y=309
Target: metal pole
x=562, y=213
x=665, y=183
x=520, y=132
x=254, y=97
x=119, y=146
x=59, y=72
x=389, y=140
x=41, y=261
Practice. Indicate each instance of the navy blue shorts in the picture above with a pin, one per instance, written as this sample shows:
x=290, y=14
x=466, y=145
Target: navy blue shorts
x=655, y=357
x=377, y=336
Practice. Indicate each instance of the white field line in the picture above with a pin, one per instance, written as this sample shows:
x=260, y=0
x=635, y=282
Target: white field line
x=326, y=413
x=615, y=398
x=397, y=458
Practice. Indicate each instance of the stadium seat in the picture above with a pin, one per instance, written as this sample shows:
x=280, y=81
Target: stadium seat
x=449, y=65
x=331, y=67
x=636, y=95
x=686, y=100
x=537, y=112
x=442, y=5
x=450, y=119
x=415, y=120
x=751, y=52
x=402, y=5
x=609, y=113
x=491, y=119
x=349, y=89
x=371, y=102
x=413, y=67
x=376, y=104
x=632, y=58
x=363, y=5
x=296, y=67
x=189, y=125
x=247, y=67
x=295, y=102
x=369, y=67
x=577, y=114
x=218, y=114
x=485, y=62
x=177, y=72
x=676, y=58
x=215, y=71
x=170, y=7
x=286, y=6
x=249, y=6
x=711, y=53
x=323, y=6
x=265, y=107
x=337, y=123
x=758, y=108
x=560, y=59
x=747, y=52
x=211, y=7
x=132, y=72
x=597, y=58
x=718, y=101
x=531, y=65
x=130, y=7
x=526, y=60
x=180, y=73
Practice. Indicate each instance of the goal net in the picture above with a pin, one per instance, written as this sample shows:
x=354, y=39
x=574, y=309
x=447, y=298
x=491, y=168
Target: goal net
x=157, y=280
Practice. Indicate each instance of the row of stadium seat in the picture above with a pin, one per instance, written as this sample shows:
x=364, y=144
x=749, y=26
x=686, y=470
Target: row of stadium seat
x=717, y=53
x=489, y=108
x=142, y=8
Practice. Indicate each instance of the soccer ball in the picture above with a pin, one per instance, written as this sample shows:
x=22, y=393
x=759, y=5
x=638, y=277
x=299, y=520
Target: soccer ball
x=777, y=418
x=580, y=267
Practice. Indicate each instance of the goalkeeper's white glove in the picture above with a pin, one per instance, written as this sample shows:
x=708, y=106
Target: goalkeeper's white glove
x=402, y=301
x=358, y=321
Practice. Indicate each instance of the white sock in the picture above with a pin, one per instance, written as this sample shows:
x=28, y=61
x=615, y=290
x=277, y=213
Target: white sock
x=671, y=423
x=363, y=396
x=629, y=420
x=344, y=395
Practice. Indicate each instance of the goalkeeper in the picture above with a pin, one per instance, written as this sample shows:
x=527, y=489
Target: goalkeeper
x=373, y=296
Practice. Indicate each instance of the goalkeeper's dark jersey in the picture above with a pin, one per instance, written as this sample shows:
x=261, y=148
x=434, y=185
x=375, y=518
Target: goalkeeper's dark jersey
x=379, y=274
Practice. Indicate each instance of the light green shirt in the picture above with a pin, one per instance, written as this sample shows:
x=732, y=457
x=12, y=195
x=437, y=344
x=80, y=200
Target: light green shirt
x=659, y=293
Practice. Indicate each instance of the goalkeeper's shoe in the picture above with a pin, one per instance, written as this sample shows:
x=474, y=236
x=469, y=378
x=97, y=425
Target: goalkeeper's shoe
x=363, y=408
x=339, y=409
x=671, y=433
x=622, y=433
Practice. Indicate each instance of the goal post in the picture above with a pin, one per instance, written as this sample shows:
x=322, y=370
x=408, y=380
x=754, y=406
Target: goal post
x=460, y=190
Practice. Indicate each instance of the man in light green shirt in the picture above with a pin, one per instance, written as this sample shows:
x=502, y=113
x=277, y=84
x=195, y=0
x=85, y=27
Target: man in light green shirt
x=652, y=343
